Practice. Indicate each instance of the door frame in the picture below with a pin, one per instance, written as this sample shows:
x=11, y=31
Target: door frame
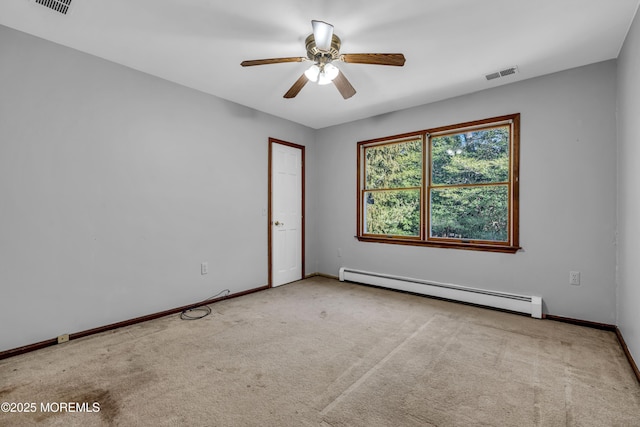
x=270, y=205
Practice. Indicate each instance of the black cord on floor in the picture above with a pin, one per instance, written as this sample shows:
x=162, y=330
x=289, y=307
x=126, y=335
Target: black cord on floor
x=185, y=315
x=203, y=310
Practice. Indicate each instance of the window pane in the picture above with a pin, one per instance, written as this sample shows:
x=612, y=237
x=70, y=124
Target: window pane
x=396, y=165
x=395, y=212
x=470, y=213
x=475, y=157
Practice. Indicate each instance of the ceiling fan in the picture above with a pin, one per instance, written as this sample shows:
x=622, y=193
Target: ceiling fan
x=323, y=48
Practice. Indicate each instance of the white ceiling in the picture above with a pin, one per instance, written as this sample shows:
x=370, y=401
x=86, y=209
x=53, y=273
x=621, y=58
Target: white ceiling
x=450, y=45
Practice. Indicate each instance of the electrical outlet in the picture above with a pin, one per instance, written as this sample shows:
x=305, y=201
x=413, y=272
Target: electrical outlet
x=63, y=338
x=204, y=268
x=574, y=278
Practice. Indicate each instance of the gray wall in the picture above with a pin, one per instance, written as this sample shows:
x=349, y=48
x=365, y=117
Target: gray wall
x=567, y=186
x=116, y=185
x=628, y=193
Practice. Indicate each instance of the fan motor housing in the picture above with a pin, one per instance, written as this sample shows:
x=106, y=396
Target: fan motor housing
x=317, y=55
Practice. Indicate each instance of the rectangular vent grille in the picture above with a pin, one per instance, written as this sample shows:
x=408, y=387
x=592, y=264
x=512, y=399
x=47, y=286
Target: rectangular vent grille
x=61, y=6
x=508, y=72
x=502, y=73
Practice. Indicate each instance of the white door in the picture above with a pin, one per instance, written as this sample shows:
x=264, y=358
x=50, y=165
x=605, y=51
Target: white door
x=286, y=213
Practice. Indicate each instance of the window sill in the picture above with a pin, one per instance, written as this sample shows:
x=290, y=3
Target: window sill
x=448, y=245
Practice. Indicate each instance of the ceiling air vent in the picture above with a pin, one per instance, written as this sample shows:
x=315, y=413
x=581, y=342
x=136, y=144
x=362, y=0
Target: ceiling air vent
x=502, y=73
x=61, y=6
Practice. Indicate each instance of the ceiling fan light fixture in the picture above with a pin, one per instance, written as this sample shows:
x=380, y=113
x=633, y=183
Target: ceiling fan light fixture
x=312, y=73
x=327, y=74
x=323, y=48
x=322, y=74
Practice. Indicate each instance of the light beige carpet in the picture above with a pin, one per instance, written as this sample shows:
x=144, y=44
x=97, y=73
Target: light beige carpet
x=324, y=353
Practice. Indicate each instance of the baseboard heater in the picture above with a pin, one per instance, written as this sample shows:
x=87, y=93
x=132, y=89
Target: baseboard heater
x=519, y=303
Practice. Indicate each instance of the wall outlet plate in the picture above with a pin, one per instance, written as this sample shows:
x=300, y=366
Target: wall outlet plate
x=574, y=278
x=63, y=338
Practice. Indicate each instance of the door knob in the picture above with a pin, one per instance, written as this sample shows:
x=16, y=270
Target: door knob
x=278, y=223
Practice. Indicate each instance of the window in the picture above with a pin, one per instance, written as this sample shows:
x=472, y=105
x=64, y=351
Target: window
x=455, y=186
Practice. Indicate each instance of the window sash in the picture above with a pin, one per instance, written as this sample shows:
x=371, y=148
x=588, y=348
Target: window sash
x=403, y=210
x=496, y=221
x=394, y=143
x=490, y=165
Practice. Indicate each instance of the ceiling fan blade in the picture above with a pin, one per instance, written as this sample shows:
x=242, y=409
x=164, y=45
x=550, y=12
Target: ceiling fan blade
x=297, y=87
x=396, y=59
x=272, y=61
x=322, y=33
x=343, y=85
